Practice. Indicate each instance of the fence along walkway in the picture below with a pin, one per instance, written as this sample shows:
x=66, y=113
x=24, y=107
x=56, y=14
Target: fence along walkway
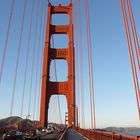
x=101, y=135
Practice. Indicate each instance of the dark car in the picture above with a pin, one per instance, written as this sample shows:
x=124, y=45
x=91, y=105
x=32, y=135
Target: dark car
x=32, y=134
x=12, y=135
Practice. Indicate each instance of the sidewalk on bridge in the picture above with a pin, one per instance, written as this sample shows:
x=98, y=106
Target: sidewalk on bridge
x=73, y=135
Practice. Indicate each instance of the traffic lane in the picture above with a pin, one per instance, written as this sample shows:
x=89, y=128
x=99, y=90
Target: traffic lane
x=51, y=136
x=45, y=137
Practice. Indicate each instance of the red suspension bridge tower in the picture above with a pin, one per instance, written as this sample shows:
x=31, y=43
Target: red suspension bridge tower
x=66, y=88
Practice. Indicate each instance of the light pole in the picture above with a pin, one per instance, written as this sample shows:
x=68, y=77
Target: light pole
x=27, y=120
x=76, y=116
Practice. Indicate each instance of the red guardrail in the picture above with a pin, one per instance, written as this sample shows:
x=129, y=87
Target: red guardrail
x=102, y=135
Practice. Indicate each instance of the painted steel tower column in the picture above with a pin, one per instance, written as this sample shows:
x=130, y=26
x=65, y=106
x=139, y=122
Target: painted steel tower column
x=66, y=88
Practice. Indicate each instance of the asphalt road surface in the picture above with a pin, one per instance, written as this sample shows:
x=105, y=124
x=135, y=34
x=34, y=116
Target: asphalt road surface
x=73, y=135
x=52, y=136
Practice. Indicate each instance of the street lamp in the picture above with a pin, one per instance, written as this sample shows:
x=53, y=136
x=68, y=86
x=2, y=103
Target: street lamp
x=76, y=116
x=27, y=120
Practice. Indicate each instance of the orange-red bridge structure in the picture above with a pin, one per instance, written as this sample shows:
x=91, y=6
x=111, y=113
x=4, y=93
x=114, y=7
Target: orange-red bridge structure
x=67, y=88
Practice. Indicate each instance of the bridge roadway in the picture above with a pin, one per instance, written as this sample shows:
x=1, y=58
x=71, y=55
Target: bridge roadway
x=52, y=136
x=70, y=135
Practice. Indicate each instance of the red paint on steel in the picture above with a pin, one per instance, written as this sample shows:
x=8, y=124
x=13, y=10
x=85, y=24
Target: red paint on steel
x=43, y=38
x=66, y=88
x=81, y=65
x=134, y=33
x=55, y=76
x=131, y=53
x=38, y=56
x=102, y=135
x=90, y=68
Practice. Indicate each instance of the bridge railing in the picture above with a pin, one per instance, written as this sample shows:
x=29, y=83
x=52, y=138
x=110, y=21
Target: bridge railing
x=102, y=135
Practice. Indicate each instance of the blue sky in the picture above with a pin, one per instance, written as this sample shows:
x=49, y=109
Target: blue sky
x=114, y=91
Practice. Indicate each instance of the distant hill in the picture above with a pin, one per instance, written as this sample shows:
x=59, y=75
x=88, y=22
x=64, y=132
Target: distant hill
x=122, y=129
x=15, y=121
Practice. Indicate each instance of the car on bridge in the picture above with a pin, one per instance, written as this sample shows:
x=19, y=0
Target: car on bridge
x=32, y=134
x=12, y=135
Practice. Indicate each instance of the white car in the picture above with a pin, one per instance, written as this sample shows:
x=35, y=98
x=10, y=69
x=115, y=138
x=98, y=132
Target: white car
x=32, y=134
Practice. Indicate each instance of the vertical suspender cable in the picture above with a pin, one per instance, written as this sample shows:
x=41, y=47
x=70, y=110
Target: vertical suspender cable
x=79, y=78
x=92, y=104
x=26, y=61
x=131, y=54
x=6, y=40
x=17, y=60
x=41, y=60
x=55, y=75
x=76, y=43
x=33, y=58
x=134, y=33
x=132, y=16
x=81, y=64
x=37, y=64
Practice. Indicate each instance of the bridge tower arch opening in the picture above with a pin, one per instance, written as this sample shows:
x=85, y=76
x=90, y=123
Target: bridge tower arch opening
x=66, y=88
x=54, y=114
x=57, y=74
